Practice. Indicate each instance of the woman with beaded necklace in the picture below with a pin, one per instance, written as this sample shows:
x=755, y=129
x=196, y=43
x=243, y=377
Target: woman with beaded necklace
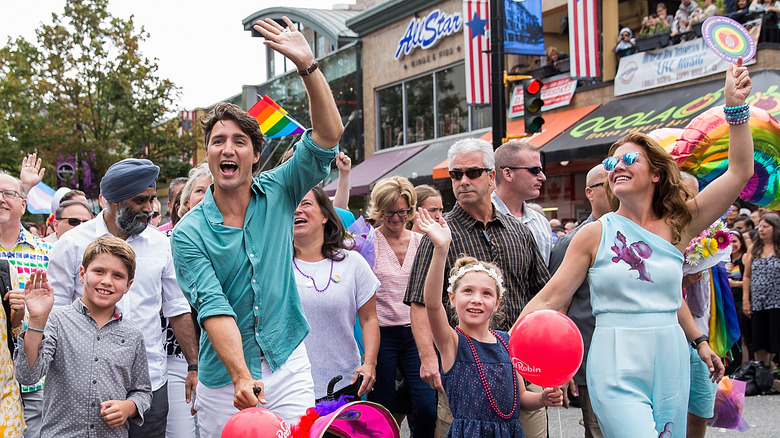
x=335, y=286
x=472, y=352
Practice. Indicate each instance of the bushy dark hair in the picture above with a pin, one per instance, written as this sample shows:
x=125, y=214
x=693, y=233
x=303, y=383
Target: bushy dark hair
x=247, y=124
x=334, y=233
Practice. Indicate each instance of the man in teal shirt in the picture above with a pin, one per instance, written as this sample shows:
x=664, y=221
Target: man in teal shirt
x=233, y=253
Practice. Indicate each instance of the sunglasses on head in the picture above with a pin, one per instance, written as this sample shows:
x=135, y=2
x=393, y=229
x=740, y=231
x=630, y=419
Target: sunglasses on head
x=535, y=170
x=72, y=221
x=471, y=173
x=628, y=159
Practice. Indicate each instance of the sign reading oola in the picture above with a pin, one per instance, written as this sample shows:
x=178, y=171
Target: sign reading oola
x=639, y=119
x=427, y=31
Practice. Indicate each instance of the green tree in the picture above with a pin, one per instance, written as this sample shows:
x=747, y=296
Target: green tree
x=86, y=90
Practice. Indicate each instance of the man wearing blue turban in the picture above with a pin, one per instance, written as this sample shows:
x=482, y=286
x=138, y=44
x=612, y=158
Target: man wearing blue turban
x=127, y=192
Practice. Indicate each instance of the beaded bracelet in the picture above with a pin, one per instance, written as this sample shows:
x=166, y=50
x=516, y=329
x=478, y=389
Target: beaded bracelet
x=737, y=115
x=735, y=109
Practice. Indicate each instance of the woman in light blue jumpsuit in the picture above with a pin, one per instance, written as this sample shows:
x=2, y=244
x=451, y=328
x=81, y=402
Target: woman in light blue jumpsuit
x=638, y=364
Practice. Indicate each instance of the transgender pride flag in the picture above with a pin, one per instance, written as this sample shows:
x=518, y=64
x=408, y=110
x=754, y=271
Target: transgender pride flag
x=273, y=119
x=39, y=199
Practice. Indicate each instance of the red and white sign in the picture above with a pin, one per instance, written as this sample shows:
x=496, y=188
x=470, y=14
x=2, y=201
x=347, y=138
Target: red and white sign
x=584, y=38
x=476, y=14
x=556, y=92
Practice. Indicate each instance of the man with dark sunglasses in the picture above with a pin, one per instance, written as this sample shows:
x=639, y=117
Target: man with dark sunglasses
x=519, y=179
x=482, y=231
x=69, y=215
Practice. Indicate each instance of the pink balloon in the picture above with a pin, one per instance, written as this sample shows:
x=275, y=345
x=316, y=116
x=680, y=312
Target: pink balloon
x=546, y=348
x=255, y=423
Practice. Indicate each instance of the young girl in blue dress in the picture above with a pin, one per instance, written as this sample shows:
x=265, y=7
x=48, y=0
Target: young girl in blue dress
x=476, y=369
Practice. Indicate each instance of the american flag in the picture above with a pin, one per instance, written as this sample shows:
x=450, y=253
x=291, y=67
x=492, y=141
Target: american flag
x=584, y=38
x=476, y=34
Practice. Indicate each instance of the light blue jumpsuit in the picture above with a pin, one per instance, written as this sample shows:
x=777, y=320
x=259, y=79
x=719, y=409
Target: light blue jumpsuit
x=638, y=366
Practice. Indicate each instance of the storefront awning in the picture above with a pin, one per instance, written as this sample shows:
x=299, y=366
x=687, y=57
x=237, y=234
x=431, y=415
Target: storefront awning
x=675, y=108
x=372, y=169
x=423, y=163
x=554, y=124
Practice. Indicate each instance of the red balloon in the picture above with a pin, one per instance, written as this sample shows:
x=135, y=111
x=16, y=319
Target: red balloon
x=255, y=423
x=546, y=348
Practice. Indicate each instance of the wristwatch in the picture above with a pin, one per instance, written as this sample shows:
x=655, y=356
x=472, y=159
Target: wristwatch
x=309, y=70
x=695, y=343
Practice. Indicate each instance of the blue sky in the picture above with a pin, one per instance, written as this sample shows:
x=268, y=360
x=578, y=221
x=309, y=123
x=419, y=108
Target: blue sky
x=196, y=42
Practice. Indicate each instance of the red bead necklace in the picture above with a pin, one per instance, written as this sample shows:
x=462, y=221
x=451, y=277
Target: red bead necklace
x=484, y=380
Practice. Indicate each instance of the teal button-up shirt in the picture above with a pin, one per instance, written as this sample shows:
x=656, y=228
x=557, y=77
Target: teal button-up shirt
x=247, y=273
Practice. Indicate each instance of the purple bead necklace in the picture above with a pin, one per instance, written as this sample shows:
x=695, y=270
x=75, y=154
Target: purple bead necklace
x=484, y=380
x=314, y=283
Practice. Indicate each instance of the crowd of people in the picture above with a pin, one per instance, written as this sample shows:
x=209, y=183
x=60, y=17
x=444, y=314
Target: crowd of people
x=253, y=294
x=680, y=26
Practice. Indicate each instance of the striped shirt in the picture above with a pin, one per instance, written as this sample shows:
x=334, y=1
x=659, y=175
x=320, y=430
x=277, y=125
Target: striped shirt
x=503, y=241
x=536, y=222
x=390, y=308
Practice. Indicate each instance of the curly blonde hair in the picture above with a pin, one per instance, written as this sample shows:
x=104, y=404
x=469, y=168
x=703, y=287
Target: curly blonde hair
x=670, y=195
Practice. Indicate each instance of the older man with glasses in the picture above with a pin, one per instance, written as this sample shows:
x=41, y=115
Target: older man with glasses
x=25, y=252
x=482, y=231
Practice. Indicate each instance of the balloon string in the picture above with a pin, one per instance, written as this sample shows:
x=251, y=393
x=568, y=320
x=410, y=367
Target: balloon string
x=560, y=428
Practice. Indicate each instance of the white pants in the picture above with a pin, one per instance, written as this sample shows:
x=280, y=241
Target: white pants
x=289, y=391
x=180, y=422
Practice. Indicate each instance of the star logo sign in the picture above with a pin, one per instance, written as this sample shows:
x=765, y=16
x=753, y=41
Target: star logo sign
x=477, y=26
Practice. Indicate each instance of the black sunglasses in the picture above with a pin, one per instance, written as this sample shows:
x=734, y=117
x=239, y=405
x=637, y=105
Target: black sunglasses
x=535, y=170
x=596, y=185
x=471, y=173
x=72, y=221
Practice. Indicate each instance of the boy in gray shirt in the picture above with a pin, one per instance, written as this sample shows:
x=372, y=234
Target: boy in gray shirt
x=95, y=364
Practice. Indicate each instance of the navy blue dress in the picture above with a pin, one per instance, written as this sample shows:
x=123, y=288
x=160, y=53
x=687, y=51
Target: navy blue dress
x=471, y=409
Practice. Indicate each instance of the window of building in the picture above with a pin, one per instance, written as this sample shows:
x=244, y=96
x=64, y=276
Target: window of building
x=391, y=116
x=427, y=107
x=419, y=106
x=452, y=113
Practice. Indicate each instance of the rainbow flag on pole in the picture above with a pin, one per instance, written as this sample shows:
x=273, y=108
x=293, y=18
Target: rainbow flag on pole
x=274, y=120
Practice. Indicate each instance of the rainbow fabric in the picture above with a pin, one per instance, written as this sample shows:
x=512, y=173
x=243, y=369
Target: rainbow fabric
x=724, y=325
x=701, y=149
x=273, y=119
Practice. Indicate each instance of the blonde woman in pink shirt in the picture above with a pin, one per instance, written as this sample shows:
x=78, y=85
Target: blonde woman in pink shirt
x=393, y=202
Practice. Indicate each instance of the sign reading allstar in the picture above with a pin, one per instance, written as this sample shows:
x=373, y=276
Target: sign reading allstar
x=426, y=32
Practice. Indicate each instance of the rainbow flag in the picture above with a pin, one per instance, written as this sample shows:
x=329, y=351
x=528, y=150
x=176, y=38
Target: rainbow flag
x=724, y=325
x=274, y=120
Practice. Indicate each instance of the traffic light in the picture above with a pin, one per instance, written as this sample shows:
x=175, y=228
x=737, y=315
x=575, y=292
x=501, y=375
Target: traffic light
x=532, y=100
